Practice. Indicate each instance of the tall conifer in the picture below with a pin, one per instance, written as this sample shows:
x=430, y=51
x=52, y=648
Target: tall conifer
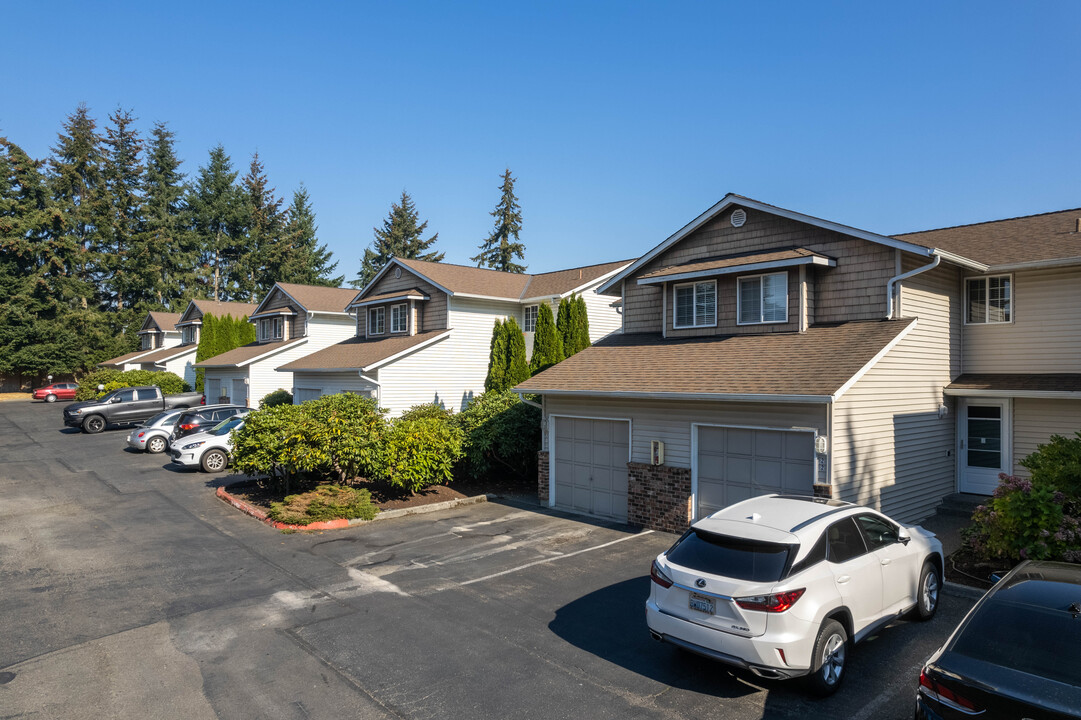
x=401, y=236
x=217, y=207
x=581, y=324
x=304, y=260
x=121, y=248
x=497, y=360
x=262, y=254
x=171, y=255
x=547, y=345
x=502, y=246
x=517, y=365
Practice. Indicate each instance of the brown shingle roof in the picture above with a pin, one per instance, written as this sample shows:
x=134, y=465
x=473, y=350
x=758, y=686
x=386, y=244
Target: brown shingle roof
x=360, y=353
x=1052, y=382
x=245, y=353
x=165, y=320
x=121, y=359
x=318, y=298
x=734, y=261
x=219, y=309
x=513, y=286
x=1048, y=236
x=168, y=352
x=816, y=363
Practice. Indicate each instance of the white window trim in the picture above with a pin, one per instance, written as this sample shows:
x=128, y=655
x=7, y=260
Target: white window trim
x=376, y=311
x=694, y=306
x=525, y=318
x=985, y=278
x=761, y=299
x=403, y=312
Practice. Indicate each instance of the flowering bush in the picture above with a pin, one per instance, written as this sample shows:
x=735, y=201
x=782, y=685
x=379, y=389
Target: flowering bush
x=1025, y=520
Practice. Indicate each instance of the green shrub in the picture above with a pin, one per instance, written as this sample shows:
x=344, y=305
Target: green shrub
x=266, y=444
x=428, y=410
x=278, y=397
x=1057, y=464
x=502, y=434
x=342, y=435
x=328, y=502
x=170, y=383
x=420, y=452
x=88, y=383
x=1025, y=520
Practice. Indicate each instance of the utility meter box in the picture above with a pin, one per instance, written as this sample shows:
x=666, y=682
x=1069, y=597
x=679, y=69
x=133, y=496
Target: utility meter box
x=656, y=452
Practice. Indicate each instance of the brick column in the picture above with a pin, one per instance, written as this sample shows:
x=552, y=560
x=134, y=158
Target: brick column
x=659, y=497
x=542, y=477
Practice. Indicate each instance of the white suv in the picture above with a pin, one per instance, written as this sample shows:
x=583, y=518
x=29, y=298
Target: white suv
x=783, y=585
x=207, y=450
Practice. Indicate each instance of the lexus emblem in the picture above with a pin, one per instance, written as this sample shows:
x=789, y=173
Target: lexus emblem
x=700, y=583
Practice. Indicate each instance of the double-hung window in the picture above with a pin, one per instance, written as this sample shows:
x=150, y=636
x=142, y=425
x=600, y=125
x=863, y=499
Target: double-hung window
x=530, y=318
x=188, y=335
x=399, y=318
x=695, y=304
x=762, y=299
x=376, y=321
x=989, y=300
x=271, y=328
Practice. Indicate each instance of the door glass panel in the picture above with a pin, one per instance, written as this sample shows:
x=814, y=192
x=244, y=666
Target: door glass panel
x=984, y=436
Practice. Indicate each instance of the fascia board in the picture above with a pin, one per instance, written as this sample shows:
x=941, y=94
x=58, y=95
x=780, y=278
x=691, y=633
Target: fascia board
x=1035, y=265
x=751, y=267
x=1028, y=394
x=727, y=397
x=395, y=298
x=596, y=281
x=471, y=296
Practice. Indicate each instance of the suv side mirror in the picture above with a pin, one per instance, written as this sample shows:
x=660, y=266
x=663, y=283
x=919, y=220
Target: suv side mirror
x=902, y=536
x=115, y=399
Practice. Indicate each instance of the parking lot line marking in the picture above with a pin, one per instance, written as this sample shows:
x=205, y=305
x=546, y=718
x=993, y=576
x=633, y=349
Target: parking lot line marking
x=556, y=557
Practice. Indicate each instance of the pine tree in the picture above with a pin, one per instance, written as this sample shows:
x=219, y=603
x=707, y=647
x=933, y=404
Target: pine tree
x=170, y=254
x=217, y=207
x=263, y=252
x=517, y=365
x=399, y=237
x=497, y=360
x=503, y=245
x=547, y=344
x=304, y=260
x=120, y=246
x=581, y=324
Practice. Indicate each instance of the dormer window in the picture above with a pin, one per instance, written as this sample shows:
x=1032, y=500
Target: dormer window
x=271, y=328
x=695, y=305
x=148, y=342
x=762, y=299
x=399, y=318
x=530, y=319
x=989, y=300
x=189, y=335
x=377, y=321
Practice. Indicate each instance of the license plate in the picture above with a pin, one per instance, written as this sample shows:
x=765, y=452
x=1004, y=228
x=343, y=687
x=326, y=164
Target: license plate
x=701, y=603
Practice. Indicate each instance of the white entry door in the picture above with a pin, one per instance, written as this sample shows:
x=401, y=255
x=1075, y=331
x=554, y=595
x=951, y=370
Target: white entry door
x=983, y=444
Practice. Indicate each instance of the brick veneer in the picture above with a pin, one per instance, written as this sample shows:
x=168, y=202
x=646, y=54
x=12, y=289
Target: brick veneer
x=542, y=477
x=659, y=497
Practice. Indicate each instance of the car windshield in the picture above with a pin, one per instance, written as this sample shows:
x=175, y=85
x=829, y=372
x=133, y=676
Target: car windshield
x=1024, y=637
x=226, y=426
x=730, y=557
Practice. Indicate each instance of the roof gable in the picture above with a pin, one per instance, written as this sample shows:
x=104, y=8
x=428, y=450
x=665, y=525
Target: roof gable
x=197, y=308
x=312, y=298
x=162, y=321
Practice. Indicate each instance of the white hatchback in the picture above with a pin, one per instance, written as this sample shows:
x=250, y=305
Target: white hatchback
x=784, y=585
x=207, y=450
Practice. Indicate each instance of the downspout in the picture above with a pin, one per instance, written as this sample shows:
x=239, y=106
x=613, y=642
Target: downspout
x=904, y=276
x=528, y=402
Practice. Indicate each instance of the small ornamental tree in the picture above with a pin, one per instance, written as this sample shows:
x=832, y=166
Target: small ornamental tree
x=497, y=360
x=547, y=344
x=517, y=365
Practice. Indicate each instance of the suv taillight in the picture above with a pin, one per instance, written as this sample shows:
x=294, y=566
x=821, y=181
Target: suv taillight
x=202, y=400
x=931, y=687
x=657, y=575
x=775, y=603
x=187, y=426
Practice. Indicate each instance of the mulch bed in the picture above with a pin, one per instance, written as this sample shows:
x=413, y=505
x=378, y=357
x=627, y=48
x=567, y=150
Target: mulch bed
x=963, y=569
x=385, y=497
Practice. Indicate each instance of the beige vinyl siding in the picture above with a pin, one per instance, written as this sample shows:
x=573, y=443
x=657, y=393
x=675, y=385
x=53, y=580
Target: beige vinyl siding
x=1045, y=335
x=1035, y=421
x=324, y=331
x=854, y=290
x=670, y=421
x=603, y=318
x=432, y=313
x=450, y=371
x=330, y=383
x=890, y=449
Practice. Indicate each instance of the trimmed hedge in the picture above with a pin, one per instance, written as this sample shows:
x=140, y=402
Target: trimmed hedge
x=278, y=397
x=170, y=383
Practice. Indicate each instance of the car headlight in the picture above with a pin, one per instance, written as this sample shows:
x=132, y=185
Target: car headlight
x=77, y=411
x=192, y=446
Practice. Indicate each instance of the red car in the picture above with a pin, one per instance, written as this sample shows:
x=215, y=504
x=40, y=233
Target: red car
x=56, y=391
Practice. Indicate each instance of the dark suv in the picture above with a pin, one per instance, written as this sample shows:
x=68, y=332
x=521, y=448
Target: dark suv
x=204, y=418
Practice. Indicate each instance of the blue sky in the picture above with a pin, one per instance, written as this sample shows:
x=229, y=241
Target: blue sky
x=622, y=121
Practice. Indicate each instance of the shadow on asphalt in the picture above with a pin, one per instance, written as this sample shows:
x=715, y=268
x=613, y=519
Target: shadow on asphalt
x=69, y=431
x=611, y=624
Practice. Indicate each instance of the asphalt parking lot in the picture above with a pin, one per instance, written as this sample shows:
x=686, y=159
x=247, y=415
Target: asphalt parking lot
x=127, y=589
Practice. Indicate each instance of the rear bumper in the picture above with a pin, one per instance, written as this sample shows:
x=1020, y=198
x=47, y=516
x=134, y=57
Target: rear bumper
x=758, y=654
x=139, y=443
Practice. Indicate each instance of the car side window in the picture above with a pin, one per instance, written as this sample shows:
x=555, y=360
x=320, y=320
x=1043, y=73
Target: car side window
x=126, y=395
x=816, y=555
x=877, y=531
x=845, y=541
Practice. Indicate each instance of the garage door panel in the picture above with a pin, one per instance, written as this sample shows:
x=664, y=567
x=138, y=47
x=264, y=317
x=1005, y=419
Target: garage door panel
x=591, y=465
x=621, y=434
x=799, y=446
x=768, y=444
x=767, y=472
x=710, y=466
x=583, y=430
x=739, y=440
x=799, y=478
x=602, y=455
x=738, y=469
x=582, y=452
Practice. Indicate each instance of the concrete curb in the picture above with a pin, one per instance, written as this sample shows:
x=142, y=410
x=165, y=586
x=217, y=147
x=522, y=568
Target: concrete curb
x=959, y=590
x=260, y=514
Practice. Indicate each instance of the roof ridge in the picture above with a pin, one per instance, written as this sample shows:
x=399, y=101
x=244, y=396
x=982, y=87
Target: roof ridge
x=987, y=222
x=584, y=267
x=459, y=265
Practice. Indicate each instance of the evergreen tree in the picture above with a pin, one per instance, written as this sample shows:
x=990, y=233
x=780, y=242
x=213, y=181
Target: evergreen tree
x=217, y=207
x=565, y=327
x=170, y=254
x=263, y=253
x=497, y=360
x=517, y=365
x=121, y=250
x=399, y=237
x=581, y=324
x=547, y=344
x=304, y=260
x=245, y=332
x=501, y=247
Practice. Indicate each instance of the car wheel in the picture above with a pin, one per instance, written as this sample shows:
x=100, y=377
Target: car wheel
x=94, y=424
x=828, y=660
x=50, y=398
x=929, y=588
x=213, y=461
x=155, y=444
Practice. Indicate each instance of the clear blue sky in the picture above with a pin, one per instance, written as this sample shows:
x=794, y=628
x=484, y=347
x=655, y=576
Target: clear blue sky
x=622, y=121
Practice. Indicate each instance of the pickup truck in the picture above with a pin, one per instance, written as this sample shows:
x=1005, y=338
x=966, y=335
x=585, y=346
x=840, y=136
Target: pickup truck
x=126, y=406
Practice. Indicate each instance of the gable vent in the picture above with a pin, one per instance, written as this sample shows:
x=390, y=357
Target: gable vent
x=739, y=216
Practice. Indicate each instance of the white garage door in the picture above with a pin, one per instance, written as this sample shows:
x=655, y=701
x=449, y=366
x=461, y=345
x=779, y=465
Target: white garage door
x=738, y=463
x=590, y=466
x=240, y=392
